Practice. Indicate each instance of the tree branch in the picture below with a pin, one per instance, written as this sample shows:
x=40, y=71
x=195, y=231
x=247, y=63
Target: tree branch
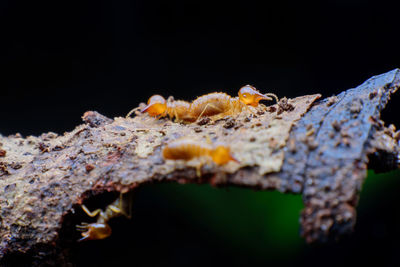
x=298, y=146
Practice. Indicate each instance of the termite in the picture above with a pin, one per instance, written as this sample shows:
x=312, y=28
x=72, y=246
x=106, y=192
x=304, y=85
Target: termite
x=187, y=149
x=157, y=106
x=222, y=104
x=208, y=105
x=100, y=229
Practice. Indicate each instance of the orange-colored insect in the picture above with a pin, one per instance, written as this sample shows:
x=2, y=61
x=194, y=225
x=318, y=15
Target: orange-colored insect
x=221, y=104
x=212, y=104
x=187, y=149
x=157, y=106
x=100, y=229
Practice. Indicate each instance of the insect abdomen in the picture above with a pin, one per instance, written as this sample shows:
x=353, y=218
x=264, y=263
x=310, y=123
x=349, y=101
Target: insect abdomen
x=184, y=150
x=211, y=104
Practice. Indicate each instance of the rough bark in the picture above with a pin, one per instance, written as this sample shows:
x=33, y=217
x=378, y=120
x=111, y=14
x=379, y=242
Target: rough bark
x=318, y=149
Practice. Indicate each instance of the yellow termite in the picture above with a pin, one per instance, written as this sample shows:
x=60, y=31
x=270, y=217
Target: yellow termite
x=100, y=229
x=221, y=104
x=187, y=149
x=157, y=106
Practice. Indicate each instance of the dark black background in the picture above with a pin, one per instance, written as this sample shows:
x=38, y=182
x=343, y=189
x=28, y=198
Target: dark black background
x=61, y=58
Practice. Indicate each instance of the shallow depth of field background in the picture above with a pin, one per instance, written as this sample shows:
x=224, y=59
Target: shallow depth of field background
x=62, y=58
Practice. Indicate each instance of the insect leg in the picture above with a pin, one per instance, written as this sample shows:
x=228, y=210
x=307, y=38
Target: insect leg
x=118, y=205
x=127, y=199
x=115, y=209
x=248, y=109
x=88, y=212
x=177, y=119
x=198, y=170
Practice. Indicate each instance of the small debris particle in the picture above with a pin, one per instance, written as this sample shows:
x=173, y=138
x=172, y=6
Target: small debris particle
x=95, y=119
x=272, y=143
x=390, y=130
x=310, y=132
x=336, y=126
x=237, y=126
x=3, y=153
x=271, y=109
x=331, y=100
x=48, y=136
x=356, y=106
x=346, y=141
x=372, y=95
x=9, y=188
x=142, y=130
x=396, y=136
x=15, y=166
x=113, y=156
x=387, y=86
x=197, y=129
x=247, y=119
x=344, y=133
x=292, y=146
x=203, y=121
x=260, y=112
x=253, y=115
x=58, y=148
x=229, y=123
x=89, y=167
x=3, y=168
x=311, y=143
x=122, y=134
x=252, y=139
x=43, y=147
x=337, y=143
x=284, y=105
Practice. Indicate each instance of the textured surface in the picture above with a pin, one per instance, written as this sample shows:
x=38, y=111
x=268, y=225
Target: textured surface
x=324, y=156
x=337, y=167
x=44, y=177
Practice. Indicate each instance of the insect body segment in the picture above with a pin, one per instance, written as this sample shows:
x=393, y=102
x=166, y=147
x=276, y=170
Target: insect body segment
x=250, y=96
x=180, y=110
x=214, y=104
x=157, y=106
x=101, y=229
